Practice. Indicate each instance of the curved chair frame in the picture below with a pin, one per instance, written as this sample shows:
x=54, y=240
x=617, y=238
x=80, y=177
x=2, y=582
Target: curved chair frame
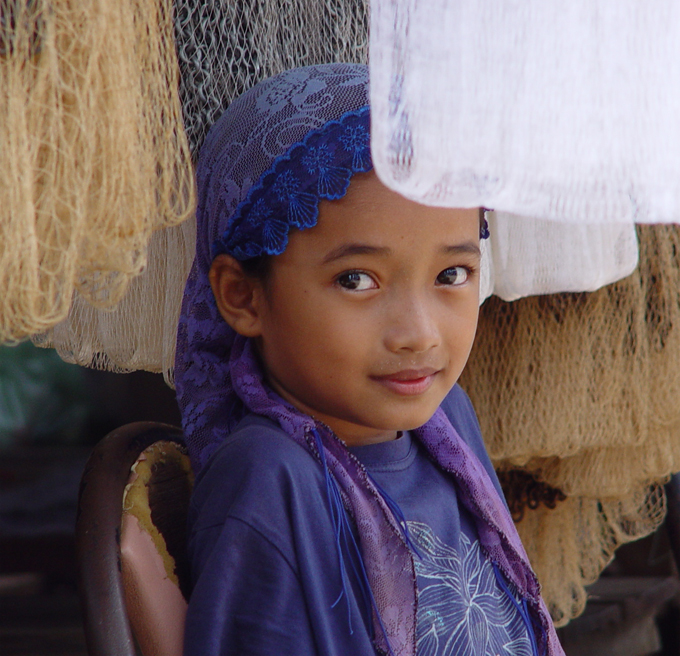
x=107, y=627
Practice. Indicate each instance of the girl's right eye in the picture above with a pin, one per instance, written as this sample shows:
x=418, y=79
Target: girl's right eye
x=356, y=281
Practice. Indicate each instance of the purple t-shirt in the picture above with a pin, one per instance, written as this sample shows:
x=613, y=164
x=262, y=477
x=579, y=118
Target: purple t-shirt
x=462, y=610
x=265, y=563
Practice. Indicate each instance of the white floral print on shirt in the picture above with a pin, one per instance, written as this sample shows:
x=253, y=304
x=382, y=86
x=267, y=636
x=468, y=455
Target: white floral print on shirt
x=462, y=610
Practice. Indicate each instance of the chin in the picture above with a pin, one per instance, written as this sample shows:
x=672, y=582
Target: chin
x=410, y=422
x=419, y=416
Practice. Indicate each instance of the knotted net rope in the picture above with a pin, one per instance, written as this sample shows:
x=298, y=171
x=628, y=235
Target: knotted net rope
x=93, y=157
x=225, y=47
x=581, y=391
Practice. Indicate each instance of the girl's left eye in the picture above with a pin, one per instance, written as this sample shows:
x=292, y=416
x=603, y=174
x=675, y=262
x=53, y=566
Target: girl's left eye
x=356, y=281
x=453, y=276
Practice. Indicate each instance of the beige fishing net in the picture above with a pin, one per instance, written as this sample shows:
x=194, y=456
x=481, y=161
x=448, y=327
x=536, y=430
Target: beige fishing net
x=93, y=156
x=582, y=391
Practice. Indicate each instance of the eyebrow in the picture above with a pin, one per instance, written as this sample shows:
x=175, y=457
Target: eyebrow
x=465, y=247
x=347, y=250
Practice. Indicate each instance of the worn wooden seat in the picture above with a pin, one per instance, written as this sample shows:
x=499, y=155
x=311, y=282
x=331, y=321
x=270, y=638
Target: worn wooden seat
x=131, y=537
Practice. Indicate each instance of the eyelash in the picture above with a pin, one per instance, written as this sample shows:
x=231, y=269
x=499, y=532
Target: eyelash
x=343, y=280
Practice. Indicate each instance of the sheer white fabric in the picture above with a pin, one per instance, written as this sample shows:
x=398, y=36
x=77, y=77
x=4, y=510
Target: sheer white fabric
x=565, y=111
x=532, y=256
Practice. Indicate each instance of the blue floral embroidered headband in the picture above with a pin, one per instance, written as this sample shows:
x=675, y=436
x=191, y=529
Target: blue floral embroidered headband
x=287, y=195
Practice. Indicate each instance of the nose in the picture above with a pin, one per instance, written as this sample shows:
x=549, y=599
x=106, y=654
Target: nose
x=412, y=327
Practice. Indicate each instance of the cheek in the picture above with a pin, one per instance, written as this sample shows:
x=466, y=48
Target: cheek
x=327, y=346
x=306, y=336
x=460, y=328
x=468, y=329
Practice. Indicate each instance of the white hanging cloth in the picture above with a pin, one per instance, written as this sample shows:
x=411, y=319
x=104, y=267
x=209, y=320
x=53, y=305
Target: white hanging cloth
x=565, y=111
x=141, y=331
x=530, y=256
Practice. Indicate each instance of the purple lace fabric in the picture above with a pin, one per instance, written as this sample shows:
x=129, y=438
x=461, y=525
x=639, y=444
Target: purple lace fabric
x=279, y=149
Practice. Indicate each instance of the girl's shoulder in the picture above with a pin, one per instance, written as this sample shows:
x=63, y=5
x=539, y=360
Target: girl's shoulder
x=258, y=471
x=458, y=408
x=258, y=442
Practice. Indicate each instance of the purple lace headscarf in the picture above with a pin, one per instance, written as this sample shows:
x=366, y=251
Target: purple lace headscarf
x=280, y=148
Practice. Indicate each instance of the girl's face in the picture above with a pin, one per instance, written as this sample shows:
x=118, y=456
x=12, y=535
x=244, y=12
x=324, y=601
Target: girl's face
x=366, y=321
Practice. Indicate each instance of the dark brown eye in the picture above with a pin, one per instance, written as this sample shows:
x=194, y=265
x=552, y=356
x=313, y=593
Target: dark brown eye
x=453, y=276
x=356, y=281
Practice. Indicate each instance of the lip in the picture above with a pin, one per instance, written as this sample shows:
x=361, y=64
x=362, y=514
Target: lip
x=408, y=382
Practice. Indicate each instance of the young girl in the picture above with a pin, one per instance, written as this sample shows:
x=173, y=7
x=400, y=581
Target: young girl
x=344, y=503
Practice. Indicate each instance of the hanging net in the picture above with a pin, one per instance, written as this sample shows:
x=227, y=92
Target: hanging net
x=141, y=331
x=581, y=391
x=225, y=47
x=93, y=156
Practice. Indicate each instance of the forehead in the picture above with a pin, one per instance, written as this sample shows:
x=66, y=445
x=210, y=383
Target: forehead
x=370, y=212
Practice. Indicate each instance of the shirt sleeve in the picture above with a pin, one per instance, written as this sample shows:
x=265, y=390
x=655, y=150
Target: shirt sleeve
x=247, y=599
x=264, y=558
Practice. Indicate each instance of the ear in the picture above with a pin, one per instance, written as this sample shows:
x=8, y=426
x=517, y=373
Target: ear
x=238, y=296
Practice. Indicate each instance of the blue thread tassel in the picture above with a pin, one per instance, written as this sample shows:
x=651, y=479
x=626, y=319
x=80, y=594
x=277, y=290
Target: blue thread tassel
x=398, y=516
x=344, y=537
x=522, y=609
